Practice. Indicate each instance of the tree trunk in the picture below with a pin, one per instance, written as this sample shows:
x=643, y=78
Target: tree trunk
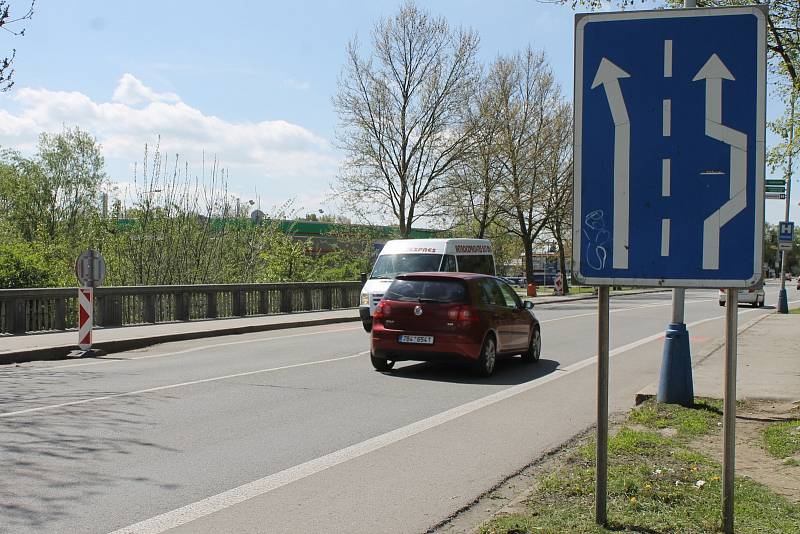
x=528, y=260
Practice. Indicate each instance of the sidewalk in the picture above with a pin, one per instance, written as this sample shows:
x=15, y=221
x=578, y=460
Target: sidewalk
x=768, y=363
x=57, y=345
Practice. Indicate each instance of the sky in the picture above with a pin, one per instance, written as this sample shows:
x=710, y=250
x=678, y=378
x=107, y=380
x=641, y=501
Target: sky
x=249, y=83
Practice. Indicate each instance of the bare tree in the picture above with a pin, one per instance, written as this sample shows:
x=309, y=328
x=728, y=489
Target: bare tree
x=10, y=23
x=401, y=114
x=559, y=185
x=526, y=95
x=474, y=185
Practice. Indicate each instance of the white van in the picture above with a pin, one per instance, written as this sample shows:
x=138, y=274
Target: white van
x=403, y=256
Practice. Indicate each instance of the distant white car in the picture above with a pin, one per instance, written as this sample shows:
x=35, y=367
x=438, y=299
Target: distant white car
x=754, y=297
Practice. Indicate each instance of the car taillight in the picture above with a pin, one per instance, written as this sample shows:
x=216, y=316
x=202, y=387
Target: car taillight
x=463, y=314
x=382, y=310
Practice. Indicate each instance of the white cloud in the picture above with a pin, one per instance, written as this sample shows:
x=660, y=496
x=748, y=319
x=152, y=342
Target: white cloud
x=133, y=92
x=270, y=153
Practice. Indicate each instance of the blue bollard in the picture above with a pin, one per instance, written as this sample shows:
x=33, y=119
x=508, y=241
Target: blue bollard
x=675, y=383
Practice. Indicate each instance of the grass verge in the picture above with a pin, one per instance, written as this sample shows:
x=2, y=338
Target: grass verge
x=783, y=439
x=795, y=311
x=657, y=484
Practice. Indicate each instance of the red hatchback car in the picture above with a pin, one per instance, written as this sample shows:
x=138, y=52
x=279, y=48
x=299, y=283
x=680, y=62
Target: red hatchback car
x=453, y=316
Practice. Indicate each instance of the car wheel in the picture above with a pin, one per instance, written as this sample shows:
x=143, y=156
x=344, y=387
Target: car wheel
x=534, y=349
x=381, y=364
x=367, y=327
x=721, y=303
x=488, y=357
x=755, y=304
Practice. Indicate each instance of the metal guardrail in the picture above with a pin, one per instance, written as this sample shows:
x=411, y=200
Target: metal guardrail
x=41, y=310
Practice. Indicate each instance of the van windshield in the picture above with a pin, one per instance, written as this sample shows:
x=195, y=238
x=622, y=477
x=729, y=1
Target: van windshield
x=391, y=265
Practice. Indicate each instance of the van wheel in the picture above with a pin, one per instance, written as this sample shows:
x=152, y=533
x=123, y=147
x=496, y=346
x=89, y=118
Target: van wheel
x=367, y=326
x=381, y=364
x=534, y=349
x=488, y=358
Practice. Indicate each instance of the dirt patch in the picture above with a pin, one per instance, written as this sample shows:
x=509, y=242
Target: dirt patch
x=752, y=459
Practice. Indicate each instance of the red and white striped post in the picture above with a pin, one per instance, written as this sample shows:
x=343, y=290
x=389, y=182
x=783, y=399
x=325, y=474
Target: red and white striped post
x=85, y=317
x=90, y=269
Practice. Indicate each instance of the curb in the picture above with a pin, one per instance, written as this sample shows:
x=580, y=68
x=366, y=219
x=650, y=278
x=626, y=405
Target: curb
x=61, y=352
x=646, y=393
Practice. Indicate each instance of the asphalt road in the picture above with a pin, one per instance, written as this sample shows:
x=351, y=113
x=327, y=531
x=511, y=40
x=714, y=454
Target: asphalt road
x=292, y=431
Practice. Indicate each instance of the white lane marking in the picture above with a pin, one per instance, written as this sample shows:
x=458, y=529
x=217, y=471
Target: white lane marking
x=226, y=499
x=665, y=237
x=667, y=127
x=618, y=310
x=173, y=386
x=193, y=349
x=668, y=58
x=666, y=170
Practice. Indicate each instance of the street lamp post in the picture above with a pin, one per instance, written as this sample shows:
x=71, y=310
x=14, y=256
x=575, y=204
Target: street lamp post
x=783, y=301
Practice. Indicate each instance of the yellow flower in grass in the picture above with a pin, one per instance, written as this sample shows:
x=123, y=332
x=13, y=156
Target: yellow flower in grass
x=633, y=500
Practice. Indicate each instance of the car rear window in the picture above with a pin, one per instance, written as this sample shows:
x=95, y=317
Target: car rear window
x=429, y=290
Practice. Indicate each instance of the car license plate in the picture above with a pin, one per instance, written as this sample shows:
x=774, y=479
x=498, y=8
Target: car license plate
x=419, y=340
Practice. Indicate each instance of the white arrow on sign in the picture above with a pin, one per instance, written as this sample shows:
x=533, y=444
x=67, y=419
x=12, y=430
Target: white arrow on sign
x=608, y=75
x=713, y=72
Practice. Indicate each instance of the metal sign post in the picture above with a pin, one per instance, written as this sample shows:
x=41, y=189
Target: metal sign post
x=729, y=407
x=601, y=482
x=669, y=163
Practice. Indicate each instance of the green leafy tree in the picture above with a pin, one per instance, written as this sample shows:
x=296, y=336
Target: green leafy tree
x=54, y=195
x=26, y=265
x=287, y=260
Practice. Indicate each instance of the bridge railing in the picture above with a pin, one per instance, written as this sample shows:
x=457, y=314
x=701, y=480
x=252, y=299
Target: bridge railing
x=41, y=310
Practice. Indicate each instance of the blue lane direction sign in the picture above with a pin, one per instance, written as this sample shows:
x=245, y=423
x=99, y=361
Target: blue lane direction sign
x=785, y=235
x=670, y=124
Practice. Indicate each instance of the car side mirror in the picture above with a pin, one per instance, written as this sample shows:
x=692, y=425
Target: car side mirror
x=528, y=305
